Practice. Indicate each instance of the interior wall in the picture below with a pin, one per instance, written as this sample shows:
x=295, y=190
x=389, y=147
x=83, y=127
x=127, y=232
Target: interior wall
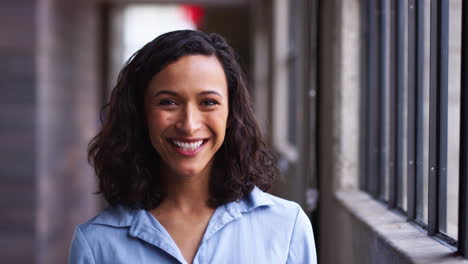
x=262, y=54
x=233, y=23
x=357, y=243
x=343, y=237
x=17, y=125
x=67, y=118
x=47, y=116
x=333, y=246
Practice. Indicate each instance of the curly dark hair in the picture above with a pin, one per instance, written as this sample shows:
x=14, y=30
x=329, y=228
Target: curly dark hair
x=125, y=161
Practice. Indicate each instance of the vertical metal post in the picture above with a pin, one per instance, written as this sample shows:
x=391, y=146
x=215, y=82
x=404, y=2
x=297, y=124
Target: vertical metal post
x=420, y=62
x=396, y=102
x=415, y=107
x=443, y=119
x=463, y=192
x=400, y=88
x=371, y=102
x=383, y=94
x=393, y=83
x=411, y=119
x=438, y=117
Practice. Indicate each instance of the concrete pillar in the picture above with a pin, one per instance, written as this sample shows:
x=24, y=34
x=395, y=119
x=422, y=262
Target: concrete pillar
x=67, y=116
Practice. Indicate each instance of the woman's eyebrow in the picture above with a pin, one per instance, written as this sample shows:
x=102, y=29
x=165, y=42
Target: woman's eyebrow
x=165, y=92
x=210, y=92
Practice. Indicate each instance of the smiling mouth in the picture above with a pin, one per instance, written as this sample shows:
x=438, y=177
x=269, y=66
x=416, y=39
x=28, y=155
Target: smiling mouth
x=188, y=146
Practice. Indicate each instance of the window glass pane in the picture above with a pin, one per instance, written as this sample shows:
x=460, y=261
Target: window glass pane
x=423, y=186
x=144, y=22
x=134, y=25
x=453, y=136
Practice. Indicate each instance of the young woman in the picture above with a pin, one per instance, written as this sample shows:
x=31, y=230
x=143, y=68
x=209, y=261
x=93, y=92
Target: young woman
x=181, y=162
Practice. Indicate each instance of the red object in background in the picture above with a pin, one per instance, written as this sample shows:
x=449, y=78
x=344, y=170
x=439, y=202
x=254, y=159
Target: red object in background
x=194, y=13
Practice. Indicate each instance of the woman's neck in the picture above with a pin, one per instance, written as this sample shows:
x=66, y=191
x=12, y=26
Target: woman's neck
x=186, y=193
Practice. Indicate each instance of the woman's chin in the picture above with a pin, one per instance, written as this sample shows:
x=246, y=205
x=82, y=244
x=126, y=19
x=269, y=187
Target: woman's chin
x=188, y=172
x=191, y=169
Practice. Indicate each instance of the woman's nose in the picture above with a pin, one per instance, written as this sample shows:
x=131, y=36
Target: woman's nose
x=189, y=120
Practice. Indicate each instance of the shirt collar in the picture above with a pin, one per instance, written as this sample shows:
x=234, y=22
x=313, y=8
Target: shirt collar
x=256, y=198
x=117, y=216
x=121, y=216
x=234, y=210
x=144, y=226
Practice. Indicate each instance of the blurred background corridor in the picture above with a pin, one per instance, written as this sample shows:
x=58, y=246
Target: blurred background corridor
x=364, y=102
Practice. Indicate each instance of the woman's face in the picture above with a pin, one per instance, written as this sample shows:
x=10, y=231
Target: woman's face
x=186, y=107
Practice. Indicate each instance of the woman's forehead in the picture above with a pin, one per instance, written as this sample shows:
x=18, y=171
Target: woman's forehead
x=195, y=73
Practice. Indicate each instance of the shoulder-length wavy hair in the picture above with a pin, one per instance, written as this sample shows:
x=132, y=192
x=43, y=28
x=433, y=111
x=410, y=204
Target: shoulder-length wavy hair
x=125, y=162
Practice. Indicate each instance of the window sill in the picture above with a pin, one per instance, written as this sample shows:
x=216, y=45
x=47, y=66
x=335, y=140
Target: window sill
x=393, y=230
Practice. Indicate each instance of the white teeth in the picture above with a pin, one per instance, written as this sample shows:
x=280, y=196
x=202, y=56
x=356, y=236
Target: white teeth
x=188, y=146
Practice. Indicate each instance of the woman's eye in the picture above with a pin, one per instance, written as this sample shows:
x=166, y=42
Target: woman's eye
x=167, y=102
x=210, y=102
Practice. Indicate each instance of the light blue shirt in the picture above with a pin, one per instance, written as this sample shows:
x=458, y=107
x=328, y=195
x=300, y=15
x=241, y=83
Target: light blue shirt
x=260, y=228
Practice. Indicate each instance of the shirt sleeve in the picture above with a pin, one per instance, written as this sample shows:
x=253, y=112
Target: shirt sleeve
x=80, y=253
x=302, y=245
